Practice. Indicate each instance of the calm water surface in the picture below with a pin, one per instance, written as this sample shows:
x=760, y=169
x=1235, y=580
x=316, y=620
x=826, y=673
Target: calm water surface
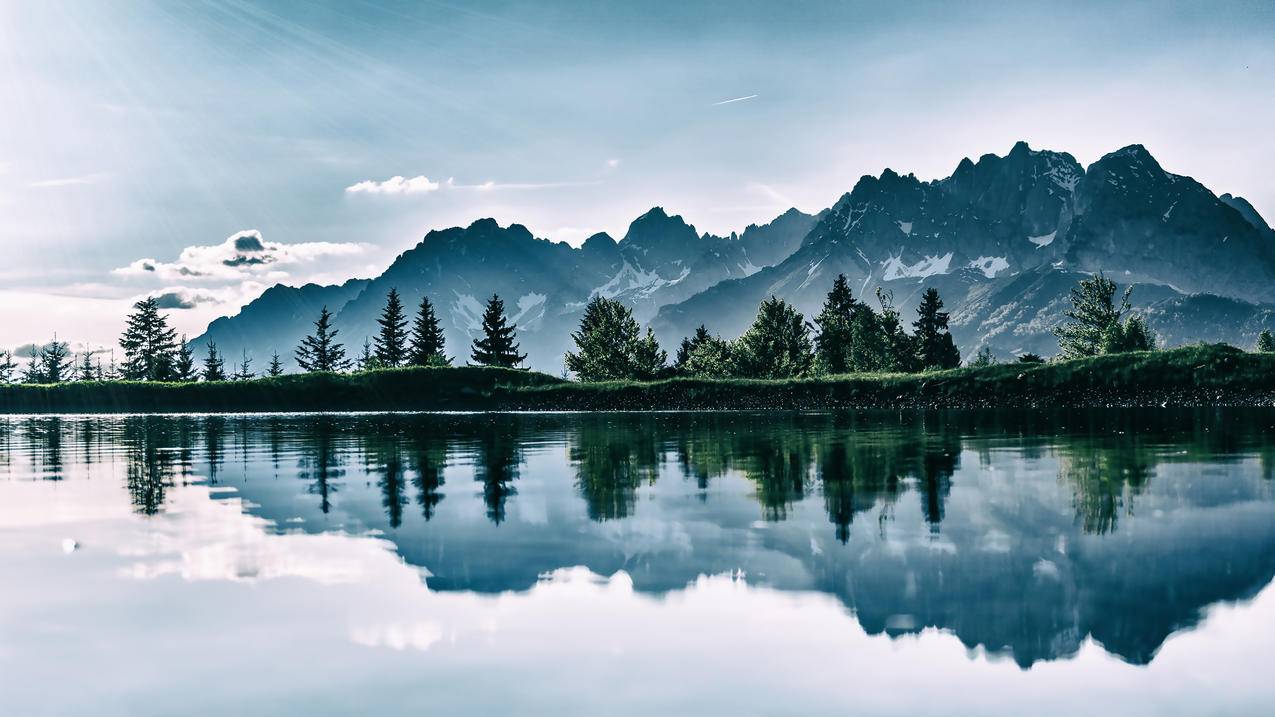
x=712, y=563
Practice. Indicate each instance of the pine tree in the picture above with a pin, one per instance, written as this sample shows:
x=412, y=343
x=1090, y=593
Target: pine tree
x=605, y=343
x=150, y=345
x=935, y=347
x=985, y=357
x=900, y=348
x=52, y=364
x=86, y=372
x=1130, y=335
x=711, y=357
x=391, y=341
x=366, y=361
x=497, y=346
x=112, y=369
x=1265, y=342
x=184, y=363
x=833, y=342
x=1095, y=319
x=777, y=345
x=321, y=352
x=243, y=373
x=649, y=361
x=276, y=367
x=1031, y=358
x=688, y=346
x=427, y=345
x=214, y=365
x=868, y=342
x=704, y=356
x=8, y=367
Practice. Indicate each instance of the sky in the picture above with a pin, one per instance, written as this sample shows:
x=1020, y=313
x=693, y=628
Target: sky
x=143, y=145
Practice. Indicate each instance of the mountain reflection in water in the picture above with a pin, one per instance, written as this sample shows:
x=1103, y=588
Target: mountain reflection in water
x=1022, y=533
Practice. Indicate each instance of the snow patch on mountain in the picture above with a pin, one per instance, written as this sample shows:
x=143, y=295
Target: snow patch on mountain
x=632, y=281
x=527, y=310
x=1044, y=239
x=894, y=268
x=811, y=273
x=905, y=227
x=1064, y=175
x=467, y=312
x=990, y=265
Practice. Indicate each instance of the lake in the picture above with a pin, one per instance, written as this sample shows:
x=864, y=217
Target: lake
x=908, y=563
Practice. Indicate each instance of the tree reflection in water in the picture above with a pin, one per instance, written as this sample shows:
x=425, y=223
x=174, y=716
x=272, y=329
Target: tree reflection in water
x=1026, y=548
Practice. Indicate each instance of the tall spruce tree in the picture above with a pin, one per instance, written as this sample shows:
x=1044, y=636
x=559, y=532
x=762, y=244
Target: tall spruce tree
x=391, y=340
x=868, y=345
x=606, y=342
x=51, y=364
x=8, y=367
x=649, y=361
x=777, y=345
x=276, y=366
x=214, y=365
x=427, y=345
x=244, y=372
x=900, y=348
x=86, y=371
x=320, y=351
x=366, y=360
x=934, y=344
x=835, y=322
x=184, y=363
x=497, y=346
x=149, y=343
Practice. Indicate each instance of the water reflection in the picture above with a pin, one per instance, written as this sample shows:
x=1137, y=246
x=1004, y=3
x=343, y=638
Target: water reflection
x=1022, y=533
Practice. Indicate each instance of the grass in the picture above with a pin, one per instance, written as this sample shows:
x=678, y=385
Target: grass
x=1199, y=375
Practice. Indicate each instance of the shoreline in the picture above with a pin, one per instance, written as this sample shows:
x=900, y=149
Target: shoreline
x=1191, y=377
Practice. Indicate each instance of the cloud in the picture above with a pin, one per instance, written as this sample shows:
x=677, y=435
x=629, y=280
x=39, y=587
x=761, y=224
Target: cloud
x=68, y=181
x=183, y=299
x=613, y=163
x=420, y=185
x=28, y=350
x=394, y=185
x=734, y=99
x=240, y=255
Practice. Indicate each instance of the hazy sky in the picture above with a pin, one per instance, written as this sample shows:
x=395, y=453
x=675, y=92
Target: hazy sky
x=137, y=138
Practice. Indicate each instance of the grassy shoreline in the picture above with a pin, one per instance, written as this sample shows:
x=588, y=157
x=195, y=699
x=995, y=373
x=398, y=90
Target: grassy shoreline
x=1204, y=375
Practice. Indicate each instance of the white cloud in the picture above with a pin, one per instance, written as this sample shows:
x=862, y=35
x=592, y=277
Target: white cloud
x=394, y=185
x=422, y=185
x=68, y=181
x=613, y=163
x=243, y=254
x=734, y=99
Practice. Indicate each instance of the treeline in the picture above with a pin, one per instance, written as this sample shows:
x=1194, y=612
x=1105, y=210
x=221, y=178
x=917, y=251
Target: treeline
x=847, y=336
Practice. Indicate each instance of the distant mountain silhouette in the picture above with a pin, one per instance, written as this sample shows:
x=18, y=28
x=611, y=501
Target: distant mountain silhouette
x=1003, y=239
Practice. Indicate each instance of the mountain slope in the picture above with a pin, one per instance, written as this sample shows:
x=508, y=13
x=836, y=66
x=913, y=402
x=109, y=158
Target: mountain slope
x=544, y=284
x=274, y=321
x=1003, y=239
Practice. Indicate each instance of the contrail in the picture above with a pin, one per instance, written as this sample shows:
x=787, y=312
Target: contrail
x=737, y=99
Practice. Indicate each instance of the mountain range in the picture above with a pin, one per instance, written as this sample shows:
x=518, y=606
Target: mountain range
x=1003, y=239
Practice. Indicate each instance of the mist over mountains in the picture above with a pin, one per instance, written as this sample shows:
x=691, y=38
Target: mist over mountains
x=1003, y=239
